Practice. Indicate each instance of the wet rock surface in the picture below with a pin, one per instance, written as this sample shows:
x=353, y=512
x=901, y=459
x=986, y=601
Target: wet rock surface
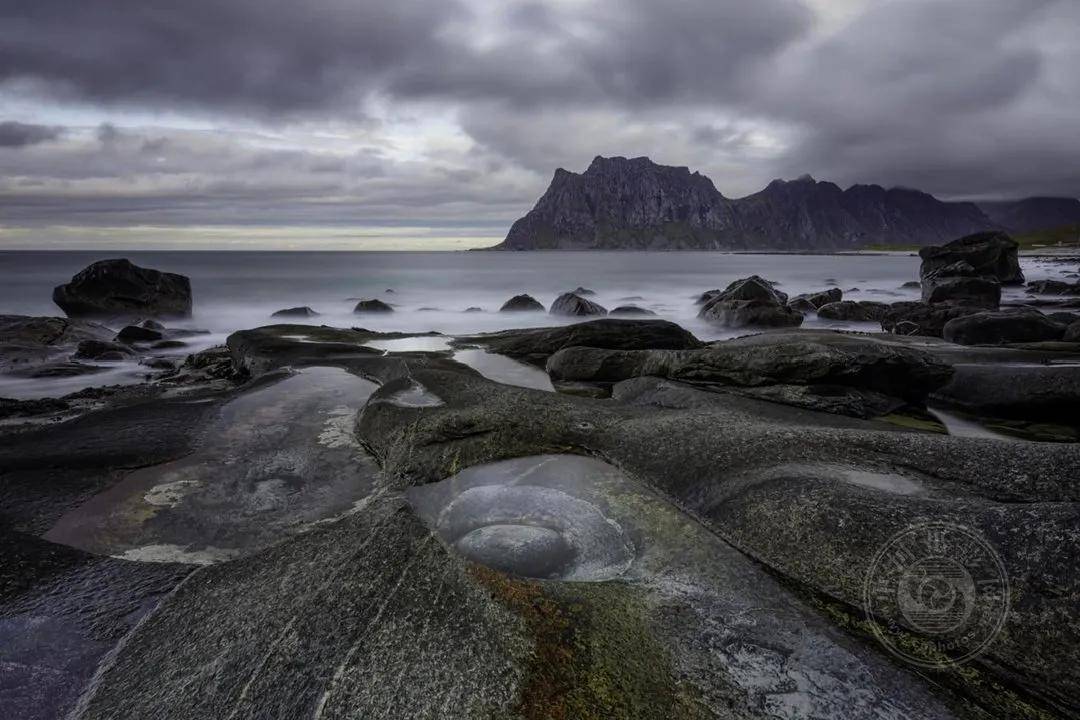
x=119, y=288
x=852, y=311
x=751, y=301
x=1017, y=325
x=573, y=305
x=683, y=549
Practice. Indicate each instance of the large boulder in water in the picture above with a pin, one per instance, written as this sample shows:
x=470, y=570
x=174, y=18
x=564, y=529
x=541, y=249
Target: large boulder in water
x=119, y=288
x=303, y=311
x=573, y=305
x=522, y=303
x=991, y=254
x=750, y=301
x=1016, y=325
x=959, y=283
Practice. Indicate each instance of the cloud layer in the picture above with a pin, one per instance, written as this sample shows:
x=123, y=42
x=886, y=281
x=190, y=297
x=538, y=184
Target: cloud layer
x=458, y=111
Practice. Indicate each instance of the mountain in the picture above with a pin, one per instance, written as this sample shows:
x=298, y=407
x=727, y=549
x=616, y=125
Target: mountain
x=620, y=203
x=1034, y=214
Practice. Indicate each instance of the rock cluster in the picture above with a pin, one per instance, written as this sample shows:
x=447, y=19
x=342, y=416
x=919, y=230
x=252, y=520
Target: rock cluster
x=747, y=302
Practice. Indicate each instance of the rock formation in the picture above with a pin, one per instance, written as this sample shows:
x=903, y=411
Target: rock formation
x=119, y=288
x=637, y=204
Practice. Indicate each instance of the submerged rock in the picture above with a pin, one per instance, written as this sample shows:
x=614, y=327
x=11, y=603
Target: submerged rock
x=573, y=305
x=751, y=301
x=119, y=288
x=303, y=311
x=990, y=254
x=372, y=306
x=522, y=303
x=1017, y=325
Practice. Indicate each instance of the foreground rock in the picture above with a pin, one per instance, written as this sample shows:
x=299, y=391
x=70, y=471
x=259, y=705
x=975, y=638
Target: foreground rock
x=751, y=301
x=522, y=303
x=849, y=374
x=119, y=289
x=989, y=254
x=572, y=305
x=303, y=311
x=28, y=341
x=1018, y=325
x=1029, y=392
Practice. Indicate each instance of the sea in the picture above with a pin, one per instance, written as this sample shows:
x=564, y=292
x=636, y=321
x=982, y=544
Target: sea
x=430, y=291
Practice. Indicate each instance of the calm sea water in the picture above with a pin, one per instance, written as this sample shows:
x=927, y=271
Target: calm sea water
x=431, y=290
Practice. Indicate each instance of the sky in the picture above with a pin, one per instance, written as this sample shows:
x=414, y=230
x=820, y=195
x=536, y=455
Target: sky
x=422, y=124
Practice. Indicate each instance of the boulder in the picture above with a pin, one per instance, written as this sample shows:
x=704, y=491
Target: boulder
x=809, y=358
x=372, y=306
x=1047, y=393
x=583, y=291
x=1016, y=325
x=474, y=309
x=972, y=291
x=101, y=350
x=303, y=311
x=852, y=311
x=632, y=310
x=810, y=302
x=991, y=254
x=119, y=288
x=522, y=303
x=914, y=284
x=572, y=305
x=535, y=345
x=750, y=301
x=1053, y=287
x=1072, y=333
x=919, y=318
x=137, y=334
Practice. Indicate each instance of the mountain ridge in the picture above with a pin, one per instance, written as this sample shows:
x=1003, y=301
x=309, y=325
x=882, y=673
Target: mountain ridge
x=634, y=203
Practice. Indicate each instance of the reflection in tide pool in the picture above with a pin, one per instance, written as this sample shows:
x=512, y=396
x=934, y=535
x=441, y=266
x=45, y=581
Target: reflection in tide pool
x=275, y=461
x=961, y=427
x=505, y=370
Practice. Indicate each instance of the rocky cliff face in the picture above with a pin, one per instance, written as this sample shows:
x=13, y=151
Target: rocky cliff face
x=637, y=204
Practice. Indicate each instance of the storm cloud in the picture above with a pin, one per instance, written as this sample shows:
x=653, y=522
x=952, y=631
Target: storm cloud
x=458, y=111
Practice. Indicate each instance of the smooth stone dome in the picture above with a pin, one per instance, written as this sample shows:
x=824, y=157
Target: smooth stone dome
x=524, y=550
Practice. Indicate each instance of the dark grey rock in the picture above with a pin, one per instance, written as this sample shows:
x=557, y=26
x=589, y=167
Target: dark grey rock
x=97, y=349
x=912, y=284
x=372, y=306
x=118, y=288
x=474, y=309
x=851, y=311
x=990, y=254
x=572, y=305
x=522, y=303
x=1053, y=287
x=1041, y=393
x=1017, y=325
x=583, y=291
x=1072, y=333
x=919, y=318
x=303, y=311
x=810, y=302
x=632, y=310
x=138, y=334
x=749, y=302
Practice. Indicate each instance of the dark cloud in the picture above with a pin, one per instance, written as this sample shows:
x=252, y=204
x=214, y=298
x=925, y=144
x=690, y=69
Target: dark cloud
x=16, y=134
x=463, y=108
